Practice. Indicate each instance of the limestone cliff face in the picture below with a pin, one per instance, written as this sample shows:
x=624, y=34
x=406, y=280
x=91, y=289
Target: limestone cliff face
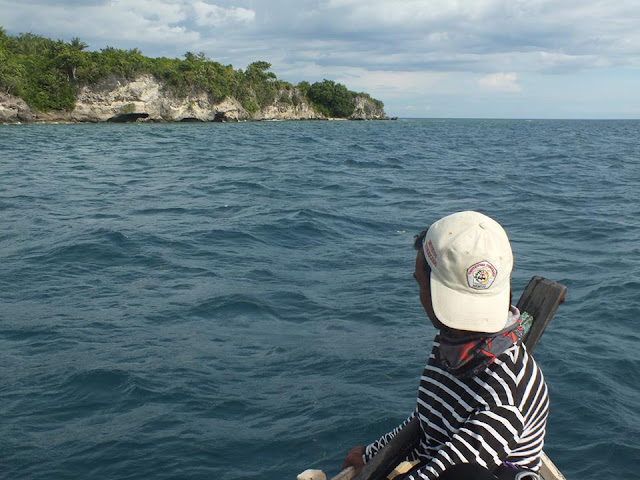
x=367, y=110
x=145, y=99
x=14, y=109
x=113, y=97
x=289, y=105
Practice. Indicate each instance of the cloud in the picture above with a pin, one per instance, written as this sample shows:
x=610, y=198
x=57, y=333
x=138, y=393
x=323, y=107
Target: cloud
x=207, y=14
x=456, y=49
x=467, y=35
x=502, y=81
x=393, y=83
x=481, y=36
x=158, y=27
x=116, y=23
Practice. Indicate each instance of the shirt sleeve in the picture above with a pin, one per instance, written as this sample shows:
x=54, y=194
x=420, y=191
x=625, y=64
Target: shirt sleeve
x=486, y=438
x=373, y=448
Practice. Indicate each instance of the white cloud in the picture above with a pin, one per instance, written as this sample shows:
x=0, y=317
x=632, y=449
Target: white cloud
x=502, y=81
x=481, y=36
x=414, y=12
x=560, y=62
x=117, y=23
x=159, y=12
x=588, y=33
x=392, y=83
x=207, y=14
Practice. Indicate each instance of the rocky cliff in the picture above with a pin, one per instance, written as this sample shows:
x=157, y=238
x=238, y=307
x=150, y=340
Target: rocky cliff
x=145, y=99
x=366, y=109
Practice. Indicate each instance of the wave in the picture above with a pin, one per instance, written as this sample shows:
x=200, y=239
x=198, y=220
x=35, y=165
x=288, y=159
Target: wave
x=172, y=292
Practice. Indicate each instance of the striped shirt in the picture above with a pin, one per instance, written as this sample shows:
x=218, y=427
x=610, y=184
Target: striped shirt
x=496, y=416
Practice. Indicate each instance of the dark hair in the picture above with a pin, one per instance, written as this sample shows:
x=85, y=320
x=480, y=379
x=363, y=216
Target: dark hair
x=418, y=239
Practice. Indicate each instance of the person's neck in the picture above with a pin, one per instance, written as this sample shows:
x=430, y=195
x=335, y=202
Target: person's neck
x=452, y=332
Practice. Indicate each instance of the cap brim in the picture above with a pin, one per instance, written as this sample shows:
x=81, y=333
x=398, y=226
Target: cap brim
x=473, y=312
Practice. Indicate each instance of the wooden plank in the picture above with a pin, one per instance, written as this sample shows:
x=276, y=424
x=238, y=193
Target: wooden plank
x=540, y=300
x=346, y=474
x=548, y=470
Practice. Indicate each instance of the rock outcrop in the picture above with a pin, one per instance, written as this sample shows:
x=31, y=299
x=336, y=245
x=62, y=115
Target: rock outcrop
x=144, y=99
x=289, y=105
x=14, y=110
x=114, y=97
x=366, y=109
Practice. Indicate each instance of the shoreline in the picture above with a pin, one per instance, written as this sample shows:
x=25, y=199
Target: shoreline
x=145, y=99
x=167, y=122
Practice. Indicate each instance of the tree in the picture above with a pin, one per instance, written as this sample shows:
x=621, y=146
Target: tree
x=12, y=73
x=260, y=80
x=32, y=45
x=46, y=74
x=331, y=98
x=304, y=87
x=71, y=57
x=259, y=71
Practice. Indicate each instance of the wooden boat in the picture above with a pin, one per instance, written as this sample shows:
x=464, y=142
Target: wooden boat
x=548, y=471
x=538, y=303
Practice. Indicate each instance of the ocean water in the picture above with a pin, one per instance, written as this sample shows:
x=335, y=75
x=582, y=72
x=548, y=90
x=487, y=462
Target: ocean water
x=236, y=301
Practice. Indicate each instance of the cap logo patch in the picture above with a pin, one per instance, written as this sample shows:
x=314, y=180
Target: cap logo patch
x=430, y=252
x=481, y=275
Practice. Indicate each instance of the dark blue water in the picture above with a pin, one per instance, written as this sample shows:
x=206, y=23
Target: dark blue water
x=236, y=301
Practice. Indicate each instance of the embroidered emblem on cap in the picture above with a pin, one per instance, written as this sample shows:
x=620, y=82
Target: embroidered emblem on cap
x=481, y=275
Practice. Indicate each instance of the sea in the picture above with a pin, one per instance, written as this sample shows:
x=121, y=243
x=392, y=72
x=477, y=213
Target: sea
x=236, y=301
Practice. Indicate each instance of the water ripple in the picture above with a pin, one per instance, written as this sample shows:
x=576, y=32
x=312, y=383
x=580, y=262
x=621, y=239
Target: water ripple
x=177, y=296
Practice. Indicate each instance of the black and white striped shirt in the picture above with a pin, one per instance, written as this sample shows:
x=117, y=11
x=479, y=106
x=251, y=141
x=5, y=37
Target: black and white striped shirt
x=497, y=416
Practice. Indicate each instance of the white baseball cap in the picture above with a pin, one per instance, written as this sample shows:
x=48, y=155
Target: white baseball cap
x=471, y=260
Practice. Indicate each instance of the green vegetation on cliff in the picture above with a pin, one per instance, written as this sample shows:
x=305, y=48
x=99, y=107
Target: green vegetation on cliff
x=331, y=98
x=47, y=74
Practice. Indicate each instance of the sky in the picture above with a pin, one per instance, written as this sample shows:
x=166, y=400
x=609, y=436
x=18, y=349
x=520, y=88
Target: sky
x=422, y=58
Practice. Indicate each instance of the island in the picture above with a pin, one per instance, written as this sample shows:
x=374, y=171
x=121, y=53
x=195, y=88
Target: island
x=45, y=80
